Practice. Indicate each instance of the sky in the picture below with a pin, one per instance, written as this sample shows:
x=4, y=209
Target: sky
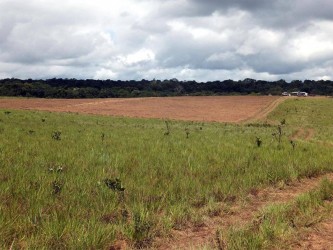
x=202, y=40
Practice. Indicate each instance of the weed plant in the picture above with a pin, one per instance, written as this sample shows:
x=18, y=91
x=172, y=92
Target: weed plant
x=80, y=190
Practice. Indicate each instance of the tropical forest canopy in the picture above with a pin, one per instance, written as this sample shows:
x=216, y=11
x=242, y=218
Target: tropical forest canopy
x=74, y=88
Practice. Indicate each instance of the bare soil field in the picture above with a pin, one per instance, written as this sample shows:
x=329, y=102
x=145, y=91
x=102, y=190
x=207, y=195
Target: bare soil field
x=204, y=108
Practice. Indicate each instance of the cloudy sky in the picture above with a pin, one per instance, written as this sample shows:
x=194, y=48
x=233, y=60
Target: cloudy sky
x=186, y=39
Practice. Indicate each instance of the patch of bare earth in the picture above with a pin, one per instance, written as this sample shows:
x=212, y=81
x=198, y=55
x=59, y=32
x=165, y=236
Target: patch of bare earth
x=305, y=134
x=326, y=144
x=263, y=113
x=238, y=214
x=189, y=108
x=320, y=236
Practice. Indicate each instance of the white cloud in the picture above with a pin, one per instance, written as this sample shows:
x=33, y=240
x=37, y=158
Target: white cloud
x=141, y=56
x=210, y=40
x=105, y=74
x=315, y=43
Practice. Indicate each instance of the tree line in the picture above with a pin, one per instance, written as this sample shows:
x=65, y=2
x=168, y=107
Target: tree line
x=88, y=88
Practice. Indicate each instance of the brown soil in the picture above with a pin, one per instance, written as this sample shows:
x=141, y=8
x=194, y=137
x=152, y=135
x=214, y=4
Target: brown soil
x=200, y=108
x=305, y=134
x=262, y=114
x=238, y=214
x=320, y=237
x=298, y=134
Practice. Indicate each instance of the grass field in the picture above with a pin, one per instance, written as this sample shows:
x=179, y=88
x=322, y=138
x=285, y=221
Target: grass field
x=70, y=181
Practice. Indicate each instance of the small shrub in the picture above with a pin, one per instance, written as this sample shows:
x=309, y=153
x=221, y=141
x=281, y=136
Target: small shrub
x=114, y=185
x=142, y=234
x=259, y=125
x=187, y=131
x=283, y=122
x=258, y=142
x=57, y=187
x=278, y=135
x=167, y=128
x=56, y=135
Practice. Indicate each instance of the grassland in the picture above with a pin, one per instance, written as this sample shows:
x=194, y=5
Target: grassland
x=58, y=172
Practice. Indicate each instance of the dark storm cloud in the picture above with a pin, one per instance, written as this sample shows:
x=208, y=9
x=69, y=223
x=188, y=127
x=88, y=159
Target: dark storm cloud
x=203, y=40
x=293, y=22
x=278, y=13
x=299, y=8
x=210, y=6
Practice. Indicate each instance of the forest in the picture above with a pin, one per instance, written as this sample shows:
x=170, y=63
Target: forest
x=89, y=88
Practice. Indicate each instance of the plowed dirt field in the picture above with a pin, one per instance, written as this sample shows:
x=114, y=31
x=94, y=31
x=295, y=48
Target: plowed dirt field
x=208, y=109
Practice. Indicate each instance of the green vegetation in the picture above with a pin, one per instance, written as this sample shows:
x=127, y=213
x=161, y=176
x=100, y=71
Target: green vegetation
x=308, y=113
x=75, y=88
x=79, y=181
x=277, y=226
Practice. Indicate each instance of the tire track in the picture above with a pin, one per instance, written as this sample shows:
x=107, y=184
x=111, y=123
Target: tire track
x=238, y=214
x=264, y=112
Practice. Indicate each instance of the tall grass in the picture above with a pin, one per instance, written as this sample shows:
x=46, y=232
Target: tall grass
x=53, y=169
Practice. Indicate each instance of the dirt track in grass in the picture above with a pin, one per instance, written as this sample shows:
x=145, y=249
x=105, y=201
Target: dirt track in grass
x=232, y=109
x=196, y=237
x=263, y=113
x=320, y=236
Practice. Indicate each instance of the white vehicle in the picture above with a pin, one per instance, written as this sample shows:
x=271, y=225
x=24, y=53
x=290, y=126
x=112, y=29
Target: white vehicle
x=299, y=93
x=303, y=94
